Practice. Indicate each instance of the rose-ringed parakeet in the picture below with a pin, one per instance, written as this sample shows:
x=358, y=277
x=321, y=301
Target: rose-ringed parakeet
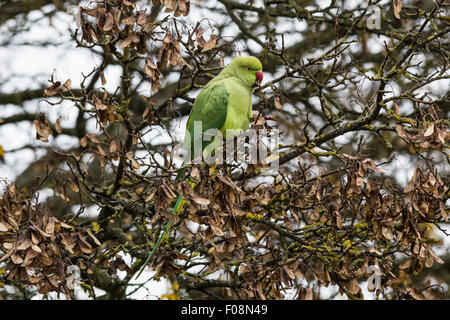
x=225, y=103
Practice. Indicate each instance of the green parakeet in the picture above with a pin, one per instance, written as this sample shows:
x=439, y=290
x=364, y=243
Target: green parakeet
x=225, y=103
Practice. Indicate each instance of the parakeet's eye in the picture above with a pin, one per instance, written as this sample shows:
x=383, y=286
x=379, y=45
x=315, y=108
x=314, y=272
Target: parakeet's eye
x=248, y=68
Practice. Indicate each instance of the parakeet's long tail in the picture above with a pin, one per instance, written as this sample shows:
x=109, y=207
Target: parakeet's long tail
x=176, y=211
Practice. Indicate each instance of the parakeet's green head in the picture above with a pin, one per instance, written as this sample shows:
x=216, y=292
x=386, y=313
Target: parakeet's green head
x=247, y=69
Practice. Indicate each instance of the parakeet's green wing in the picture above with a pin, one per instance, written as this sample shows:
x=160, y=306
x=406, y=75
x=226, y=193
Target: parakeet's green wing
x=210, y=107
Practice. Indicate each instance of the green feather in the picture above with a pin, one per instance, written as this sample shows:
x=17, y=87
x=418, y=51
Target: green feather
x=210, y=107
x=224, y=103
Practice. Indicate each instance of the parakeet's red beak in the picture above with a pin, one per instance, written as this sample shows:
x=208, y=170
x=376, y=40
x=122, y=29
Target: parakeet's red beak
x=259, y=76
